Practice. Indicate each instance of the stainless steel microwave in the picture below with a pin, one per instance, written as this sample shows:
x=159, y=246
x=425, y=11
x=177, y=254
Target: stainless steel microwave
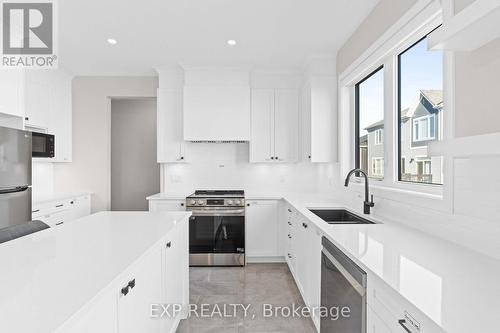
x=42, y=145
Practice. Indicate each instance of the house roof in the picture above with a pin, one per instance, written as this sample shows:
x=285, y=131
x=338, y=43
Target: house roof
x=435, y=97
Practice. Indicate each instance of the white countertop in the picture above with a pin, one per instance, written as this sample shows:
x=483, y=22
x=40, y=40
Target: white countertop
x=48, y=276
x=41, y=199
x=455, y=287
x=168, y=195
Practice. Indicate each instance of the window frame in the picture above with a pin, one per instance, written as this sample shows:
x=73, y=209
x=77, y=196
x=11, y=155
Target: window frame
x=418, y=120
x=379, y=139
x=373, y=164
x=399, y=111
x=357, y=157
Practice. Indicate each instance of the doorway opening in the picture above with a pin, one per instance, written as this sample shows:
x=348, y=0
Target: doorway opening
x=135, y=173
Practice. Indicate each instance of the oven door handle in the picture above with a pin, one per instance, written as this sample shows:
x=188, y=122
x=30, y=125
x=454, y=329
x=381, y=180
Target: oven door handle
x=237, y=212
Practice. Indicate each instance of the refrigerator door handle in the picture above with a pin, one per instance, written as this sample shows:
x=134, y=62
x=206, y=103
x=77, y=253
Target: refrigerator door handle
x=14, y=189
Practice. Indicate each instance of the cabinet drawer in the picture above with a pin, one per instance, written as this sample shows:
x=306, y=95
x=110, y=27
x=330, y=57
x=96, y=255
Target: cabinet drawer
x=167, y=205
x=392, y=308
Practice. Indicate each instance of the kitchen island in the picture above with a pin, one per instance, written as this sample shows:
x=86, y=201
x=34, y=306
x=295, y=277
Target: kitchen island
x=98, y=274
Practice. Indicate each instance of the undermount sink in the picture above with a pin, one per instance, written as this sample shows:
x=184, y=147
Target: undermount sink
x=339, y=216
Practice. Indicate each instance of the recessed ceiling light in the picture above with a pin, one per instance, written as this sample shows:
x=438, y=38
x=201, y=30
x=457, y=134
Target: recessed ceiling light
x=231, y=42
x=112, y=41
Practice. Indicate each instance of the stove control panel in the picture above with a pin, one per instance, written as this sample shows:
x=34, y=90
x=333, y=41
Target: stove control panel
x=236, y=202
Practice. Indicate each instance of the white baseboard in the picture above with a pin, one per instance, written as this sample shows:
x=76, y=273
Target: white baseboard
x=269, y=259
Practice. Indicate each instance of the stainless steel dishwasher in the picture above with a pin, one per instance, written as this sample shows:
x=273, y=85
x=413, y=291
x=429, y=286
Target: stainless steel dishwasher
x=343, y=292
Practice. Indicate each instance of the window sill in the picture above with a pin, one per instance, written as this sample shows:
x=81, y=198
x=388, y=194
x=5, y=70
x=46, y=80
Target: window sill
x=429, y=197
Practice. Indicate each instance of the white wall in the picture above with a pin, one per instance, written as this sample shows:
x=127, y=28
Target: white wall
x=473, y=218
x=42, y=179
x=226, y=166
x=90, y=169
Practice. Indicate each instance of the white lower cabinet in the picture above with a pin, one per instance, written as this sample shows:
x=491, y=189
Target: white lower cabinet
x=167, y=205
x=161, y=276
x=262, y=235
x=304, y=258
x=141, y=287
x=58, y=212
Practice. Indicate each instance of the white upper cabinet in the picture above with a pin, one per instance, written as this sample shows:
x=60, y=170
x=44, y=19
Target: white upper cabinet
x=275, y=118
x=171, y=147
x=216, y=106
x=42, y=101
x=319, y=119
x=11, y=92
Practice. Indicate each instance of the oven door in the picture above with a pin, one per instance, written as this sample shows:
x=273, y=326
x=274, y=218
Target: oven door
x=216, y=230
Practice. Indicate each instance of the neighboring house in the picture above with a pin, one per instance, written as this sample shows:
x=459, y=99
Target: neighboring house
x=420, y=124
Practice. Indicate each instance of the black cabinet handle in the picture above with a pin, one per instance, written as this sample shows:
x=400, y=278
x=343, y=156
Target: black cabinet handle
x=289, y=210
x=248, y=205
x=182, y=204
x=169, y=245
x=272, y=157
x=72, y=202
x=35, y=211
x=276, y=157
x=289, y=223
x=289, y=236
x=26, y=118
x=304, y=225
x=182, y=157
x=59, y=206
x=131, y=284
x=59, y=223
x=402, y=323
x=124, y=290
x=309, y=156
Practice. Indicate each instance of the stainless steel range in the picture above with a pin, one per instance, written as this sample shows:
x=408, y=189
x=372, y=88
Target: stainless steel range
x=217, y=228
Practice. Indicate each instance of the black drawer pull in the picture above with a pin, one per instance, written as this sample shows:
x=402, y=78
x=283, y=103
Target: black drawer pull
x=289, y=210
x=35, y=211
x=59, y=223
x=169, y=245
x=124, y=290
x=304, y=225
x=131, y=284
x=289, y=236
x=402, y=323
x=59, y=206
x=289, y=256
x=289, y=223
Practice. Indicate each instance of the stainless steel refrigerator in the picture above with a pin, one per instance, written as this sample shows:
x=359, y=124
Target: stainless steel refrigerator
x=15, y=185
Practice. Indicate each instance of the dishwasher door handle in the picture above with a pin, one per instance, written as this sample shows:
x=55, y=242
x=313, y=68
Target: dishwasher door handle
x=360, y=289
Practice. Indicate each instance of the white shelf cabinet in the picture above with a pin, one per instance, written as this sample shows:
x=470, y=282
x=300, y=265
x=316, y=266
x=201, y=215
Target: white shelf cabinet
x=12, y=92
x=275, y=119
x=171, y=147
x=319, y=120
x=262, y=235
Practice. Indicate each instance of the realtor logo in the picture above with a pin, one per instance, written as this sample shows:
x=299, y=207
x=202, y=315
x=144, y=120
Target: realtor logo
x=28, y=34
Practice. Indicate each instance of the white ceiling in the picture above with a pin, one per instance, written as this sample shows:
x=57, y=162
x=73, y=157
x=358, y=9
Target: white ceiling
x=153, y=33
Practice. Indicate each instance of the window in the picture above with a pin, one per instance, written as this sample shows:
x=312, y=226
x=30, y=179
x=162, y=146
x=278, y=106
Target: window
x=420, y=95
x=424, y=128
x=369, y=122
x=377, y=167
x=379, y=137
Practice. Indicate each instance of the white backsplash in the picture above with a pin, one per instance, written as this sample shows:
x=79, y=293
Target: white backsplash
x=226, y=166
x=42, y=174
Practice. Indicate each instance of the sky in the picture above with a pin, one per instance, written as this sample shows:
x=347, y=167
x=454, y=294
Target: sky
x=420, y=70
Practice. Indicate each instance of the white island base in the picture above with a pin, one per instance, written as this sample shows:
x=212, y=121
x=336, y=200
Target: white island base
x=102, y=273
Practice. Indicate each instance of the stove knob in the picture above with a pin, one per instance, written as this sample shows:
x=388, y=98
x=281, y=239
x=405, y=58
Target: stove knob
x=200, y=202
x=237, y=202
x=192, y=202
x=230, y=202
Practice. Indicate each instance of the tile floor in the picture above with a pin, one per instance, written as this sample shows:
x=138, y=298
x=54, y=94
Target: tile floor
x=254, y=285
